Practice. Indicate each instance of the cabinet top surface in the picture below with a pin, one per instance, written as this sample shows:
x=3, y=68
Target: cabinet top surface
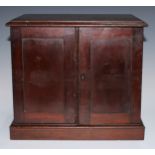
x=122, y=20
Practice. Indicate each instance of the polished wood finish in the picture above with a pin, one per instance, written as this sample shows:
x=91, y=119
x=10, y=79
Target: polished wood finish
x=46, y=132
x=123, y=20
x=48, y=75
x=77, y=77
x=105, y=59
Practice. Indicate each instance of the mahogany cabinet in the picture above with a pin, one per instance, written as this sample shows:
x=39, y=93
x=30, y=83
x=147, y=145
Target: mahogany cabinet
x=77, y=76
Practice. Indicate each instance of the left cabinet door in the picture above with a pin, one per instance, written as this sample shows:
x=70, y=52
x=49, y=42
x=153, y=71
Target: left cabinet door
x=44, y=61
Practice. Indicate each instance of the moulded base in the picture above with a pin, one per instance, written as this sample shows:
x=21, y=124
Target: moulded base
x=68, y=132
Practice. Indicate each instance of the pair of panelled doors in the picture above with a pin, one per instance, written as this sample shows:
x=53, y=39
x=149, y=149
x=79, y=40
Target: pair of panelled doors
x=73, y=75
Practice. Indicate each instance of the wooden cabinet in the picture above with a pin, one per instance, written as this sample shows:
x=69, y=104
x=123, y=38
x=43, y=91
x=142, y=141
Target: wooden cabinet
x=77, y=76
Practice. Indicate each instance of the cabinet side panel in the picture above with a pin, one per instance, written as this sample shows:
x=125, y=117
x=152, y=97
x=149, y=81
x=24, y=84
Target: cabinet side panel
x=17, y=73
x=137, y=55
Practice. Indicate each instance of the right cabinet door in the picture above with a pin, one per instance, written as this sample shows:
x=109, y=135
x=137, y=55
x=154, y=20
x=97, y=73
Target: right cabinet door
x=105, y=67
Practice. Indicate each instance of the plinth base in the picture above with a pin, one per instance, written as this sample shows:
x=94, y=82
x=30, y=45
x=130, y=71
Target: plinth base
x=106, y=132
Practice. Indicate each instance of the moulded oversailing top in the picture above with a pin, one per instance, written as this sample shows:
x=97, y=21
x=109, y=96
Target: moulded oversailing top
x=121, y=20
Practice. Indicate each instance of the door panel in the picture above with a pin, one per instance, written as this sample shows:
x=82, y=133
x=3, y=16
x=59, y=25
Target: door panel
x=43, y=75
x=109, y=71
x=106, y=89
x=49, y=75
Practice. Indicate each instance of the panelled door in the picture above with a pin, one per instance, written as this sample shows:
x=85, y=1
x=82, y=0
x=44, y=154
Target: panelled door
x=61, y=76
x=105, y=75
x=47, y=74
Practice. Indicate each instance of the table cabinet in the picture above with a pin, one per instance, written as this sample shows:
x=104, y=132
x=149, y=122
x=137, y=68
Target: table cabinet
x=77, y=76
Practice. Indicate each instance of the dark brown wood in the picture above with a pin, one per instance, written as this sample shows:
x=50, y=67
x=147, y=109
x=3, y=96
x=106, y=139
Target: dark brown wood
x=46, y=132
x=106, y=62
x=137, y=54
x=47, y=82
x=77, y=76
x=123, y=20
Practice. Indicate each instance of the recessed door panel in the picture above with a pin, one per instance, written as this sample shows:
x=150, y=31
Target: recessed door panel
x=109, y=71
x=43, y=75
